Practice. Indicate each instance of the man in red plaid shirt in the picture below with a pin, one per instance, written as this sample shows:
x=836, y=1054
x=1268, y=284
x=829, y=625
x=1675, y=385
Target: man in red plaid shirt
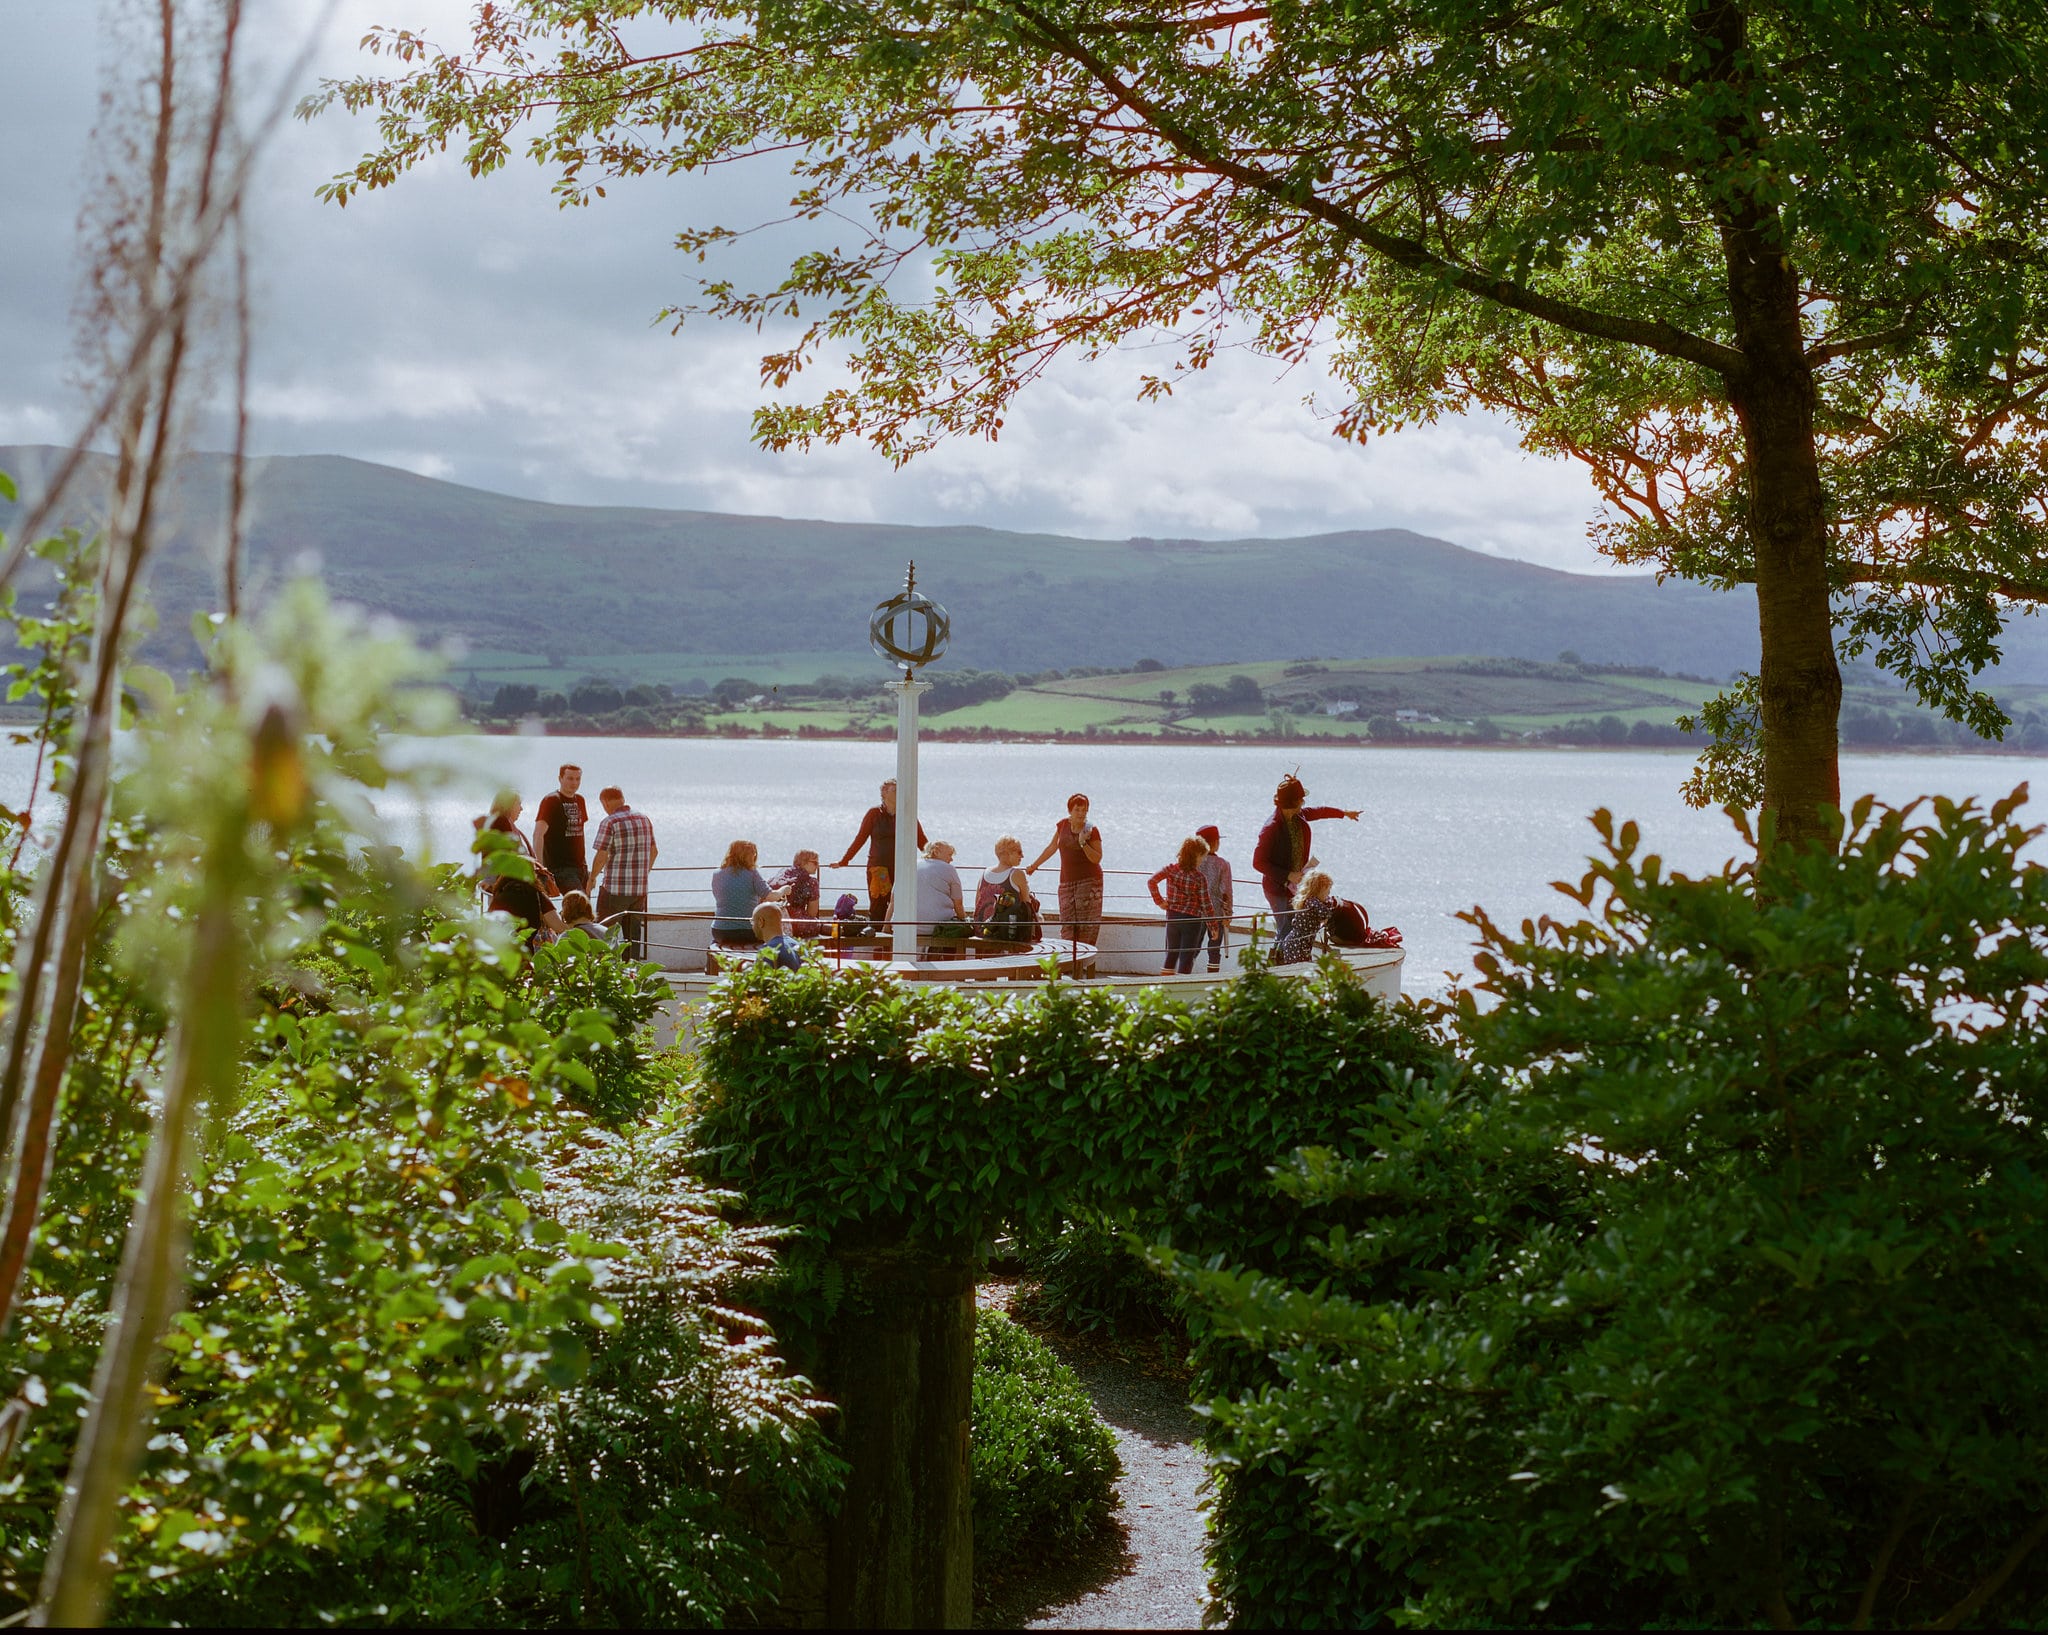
x=625, y=854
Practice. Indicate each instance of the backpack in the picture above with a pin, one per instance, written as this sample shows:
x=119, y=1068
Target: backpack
x=1349, y=926
x=1011, y=918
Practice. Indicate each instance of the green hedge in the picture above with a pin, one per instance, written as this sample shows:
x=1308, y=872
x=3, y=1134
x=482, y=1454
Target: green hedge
x=1083, y=1275
x=846, y=1100
x=847, y=1103
x=1045, y=1467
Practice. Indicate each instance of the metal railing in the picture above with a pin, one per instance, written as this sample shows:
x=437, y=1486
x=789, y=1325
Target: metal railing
x=685, y=888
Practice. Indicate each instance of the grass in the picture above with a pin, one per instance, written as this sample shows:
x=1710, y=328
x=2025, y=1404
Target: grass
x=1456, y=692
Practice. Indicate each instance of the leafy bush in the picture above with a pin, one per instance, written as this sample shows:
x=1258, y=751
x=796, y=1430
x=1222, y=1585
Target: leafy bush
x=601, y=1002
x=413, y=1378
x=846, y=1099
x=644, y=1491
x=1775, y=1357
x=1045, y=1468
x=1086, y=1277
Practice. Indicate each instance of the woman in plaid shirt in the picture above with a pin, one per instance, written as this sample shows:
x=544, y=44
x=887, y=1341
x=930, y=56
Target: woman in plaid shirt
x=1187, y=904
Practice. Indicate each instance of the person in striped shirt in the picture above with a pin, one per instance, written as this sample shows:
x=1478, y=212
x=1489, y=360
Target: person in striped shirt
x=625, y=856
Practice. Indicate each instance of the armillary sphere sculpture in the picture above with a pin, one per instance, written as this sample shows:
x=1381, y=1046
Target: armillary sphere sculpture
x=909, y=630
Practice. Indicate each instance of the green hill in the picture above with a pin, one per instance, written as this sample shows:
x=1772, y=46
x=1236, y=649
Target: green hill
x=536, y=590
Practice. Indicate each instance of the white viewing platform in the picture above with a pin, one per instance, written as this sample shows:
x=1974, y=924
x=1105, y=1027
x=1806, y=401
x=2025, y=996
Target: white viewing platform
x=1126, y=956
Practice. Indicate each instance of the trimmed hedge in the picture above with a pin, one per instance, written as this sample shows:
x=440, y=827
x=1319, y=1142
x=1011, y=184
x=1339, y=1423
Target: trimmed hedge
x=849, y=1103
x=1045, y=1467
x=841, y=1100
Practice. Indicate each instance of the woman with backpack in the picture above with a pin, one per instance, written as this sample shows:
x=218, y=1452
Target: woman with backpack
x=1004, y=909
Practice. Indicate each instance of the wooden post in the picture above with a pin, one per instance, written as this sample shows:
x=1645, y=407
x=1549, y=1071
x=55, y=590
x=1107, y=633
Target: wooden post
x=900, y=1364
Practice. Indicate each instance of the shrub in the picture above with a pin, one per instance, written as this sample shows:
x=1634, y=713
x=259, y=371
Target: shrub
x=1775, y=1358
x=435, y=1316
x=643, y=1493
x=1045, y=1468
x=601, y=1002
x=1087, y=1278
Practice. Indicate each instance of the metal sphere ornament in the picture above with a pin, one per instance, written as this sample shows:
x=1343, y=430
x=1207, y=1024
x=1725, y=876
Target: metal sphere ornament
x=909, y=629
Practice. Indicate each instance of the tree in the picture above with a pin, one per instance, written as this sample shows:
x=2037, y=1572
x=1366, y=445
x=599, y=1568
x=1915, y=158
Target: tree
x=515, y=698
x=596, y=698
x=1773, y=269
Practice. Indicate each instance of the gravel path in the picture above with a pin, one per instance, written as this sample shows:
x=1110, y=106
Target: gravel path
x=1164, y=1585
x=1145, y=1570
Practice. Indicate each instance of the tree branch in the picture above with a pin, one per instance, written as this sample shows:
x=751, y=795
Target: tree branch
x=1653, y=335
x=1902, y=1518
x=2018, y=590
x=1971, y=1603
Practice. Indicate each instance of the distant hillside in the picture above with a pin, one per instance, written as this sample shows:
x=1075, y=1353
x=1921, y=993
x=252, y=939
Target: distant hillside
x=583, y=584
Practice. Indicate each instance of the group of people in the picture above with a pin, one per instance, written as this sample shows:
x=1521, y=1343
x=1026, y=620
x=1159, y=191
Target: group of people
x=1196, y=889
x=752, y=911
x=620, y=858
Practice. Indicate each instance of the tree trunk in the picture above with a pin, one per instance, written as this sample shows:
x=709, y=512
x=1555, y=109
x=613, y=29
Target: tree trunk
x=1800, y=685
x=900, y=1364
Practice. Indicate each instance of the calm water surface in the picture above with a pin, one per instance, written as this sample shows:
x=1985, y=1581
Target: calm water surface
x=1442, y=829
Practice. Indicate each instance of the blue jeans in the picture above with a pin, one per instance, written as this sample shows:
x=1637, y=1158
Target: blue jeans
x=1281, y=901
x=1183, y=940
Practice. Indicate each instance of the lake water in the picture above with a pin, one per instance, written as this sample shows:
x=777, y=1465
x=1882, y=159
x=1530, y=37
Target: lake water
x=1442, y=829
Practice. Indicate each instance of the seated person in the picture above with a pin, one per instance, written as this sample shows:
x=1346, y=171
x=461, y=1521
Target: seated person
x=736, y=889
x=1004, y=909
x=941, y=909
x=1314, y=902
x=800, y=882
x=579, y=916
x=776, y=947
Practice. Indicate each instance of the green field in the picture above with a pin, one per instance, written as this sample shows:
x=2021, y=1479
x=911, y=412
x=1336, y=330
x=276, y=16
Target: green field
x=492, y=667
x=1133, y=702
x=1446, y=699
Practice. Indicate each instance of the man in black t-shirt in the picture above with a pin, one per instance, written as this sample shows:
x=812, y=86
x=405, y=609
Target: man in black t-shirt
x=878, y=830
x=558, y=831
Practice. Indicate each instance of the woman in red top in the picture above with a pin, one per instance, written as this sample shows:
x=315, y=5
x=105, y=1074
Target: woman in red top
x=1187, y=904
x=1284, y=852
x=1079, y=844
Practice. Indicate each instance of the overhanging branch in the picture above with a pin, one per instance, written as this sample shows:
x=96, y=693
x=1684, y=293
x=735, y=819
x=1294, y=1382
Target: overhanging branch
x=1653, y=335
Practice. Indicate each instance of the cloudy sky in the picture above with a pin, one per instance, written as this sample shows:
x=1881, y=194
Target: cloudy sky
x=470, y=330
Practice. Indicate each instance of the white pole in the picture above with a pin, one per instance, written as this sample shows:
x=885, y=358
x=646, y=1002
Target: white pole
x=903, y=891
